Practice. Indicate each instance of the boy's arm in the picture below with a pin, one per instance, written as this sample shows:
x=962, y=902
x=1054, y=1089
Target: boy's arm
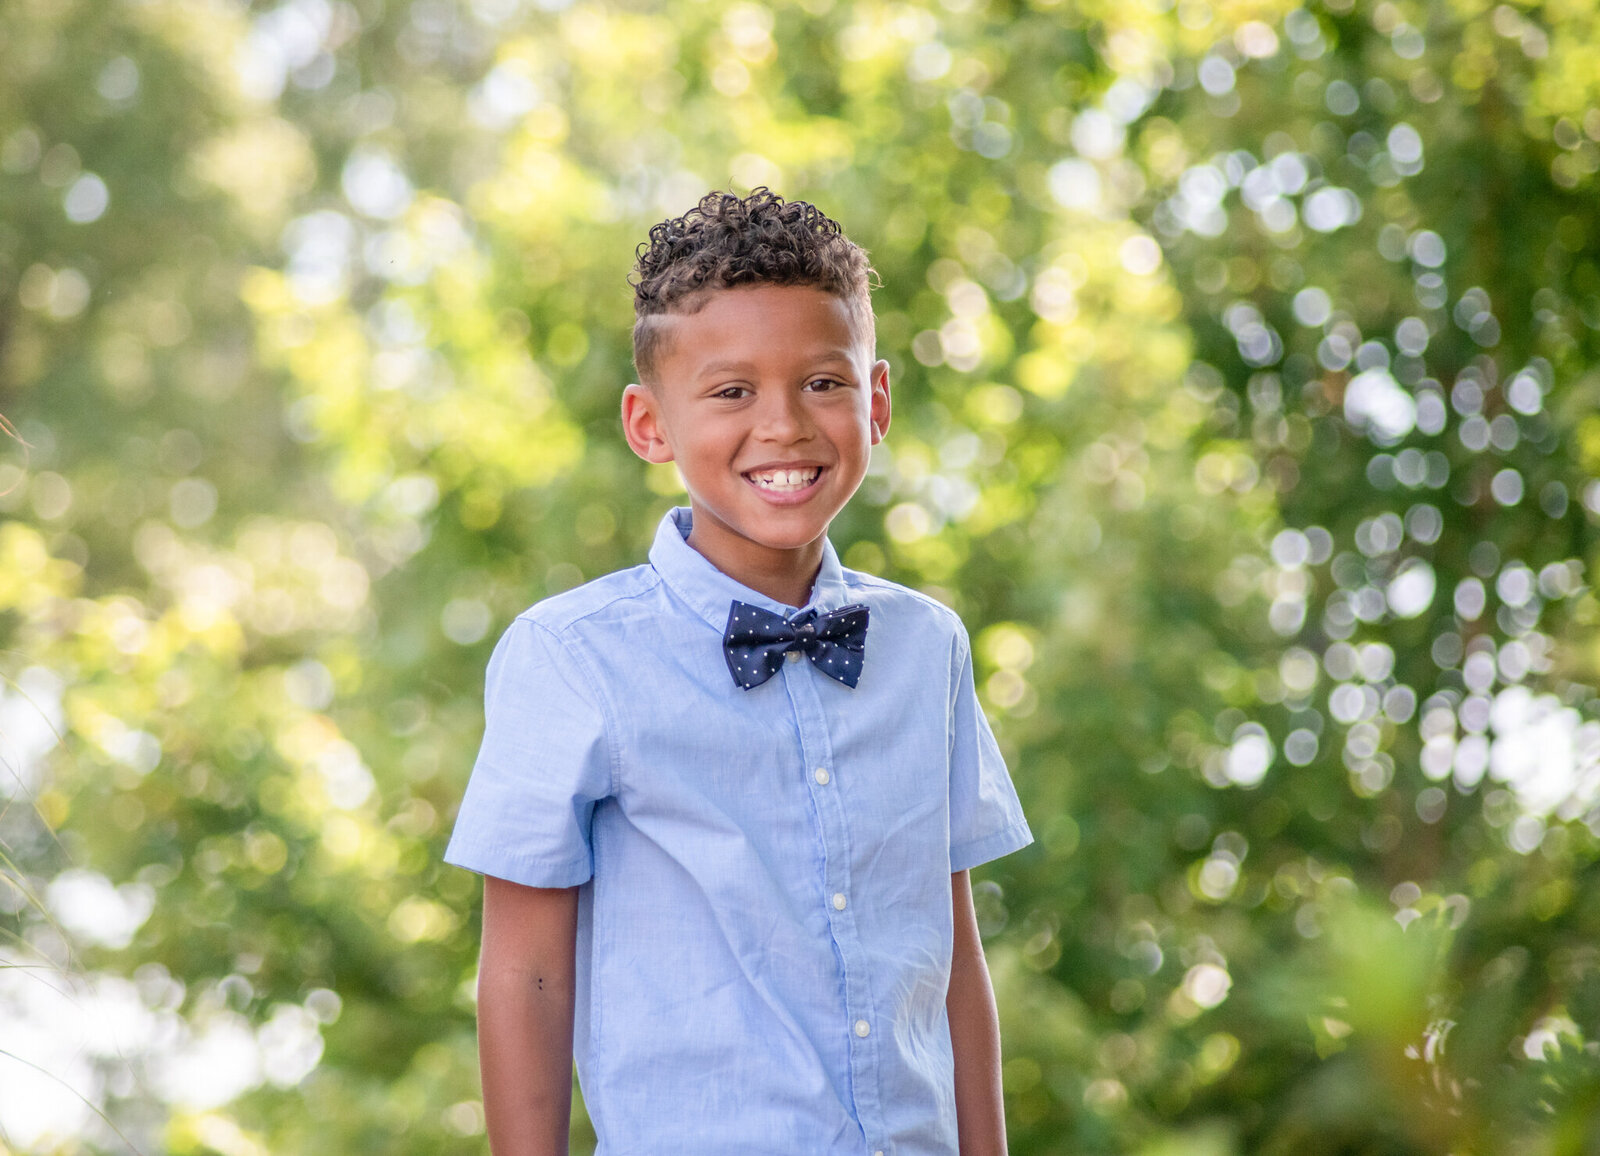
x=525, y=986
x=974, y=1034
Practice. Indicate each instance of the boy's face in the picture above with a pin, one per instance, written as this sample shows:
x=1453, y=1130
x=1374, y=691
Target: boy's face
x=769, y=402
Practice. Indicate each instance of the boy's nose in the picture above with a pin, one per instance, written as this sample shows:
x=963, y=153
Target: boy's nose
x=784, y=418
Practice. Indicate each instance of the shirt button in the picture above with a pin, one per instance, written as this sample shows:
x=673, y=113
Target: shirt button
x=838, y=900
x=822, y=775
x=863, y=1028
x=879, y=1152
x=793, y=656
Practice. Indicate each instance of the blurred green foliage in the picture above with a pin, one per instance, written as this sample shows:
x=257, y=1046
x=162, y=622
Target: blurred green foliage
x=1245, y=356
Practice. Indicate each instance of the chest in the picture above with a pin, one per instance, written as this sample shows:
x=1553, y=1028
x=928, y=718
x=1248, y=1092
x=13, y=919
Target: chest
x=770, y=763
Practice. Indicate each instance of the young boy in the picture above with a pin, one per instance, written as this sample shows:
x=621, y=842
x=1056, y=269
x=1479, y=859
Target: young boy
x=726, y=840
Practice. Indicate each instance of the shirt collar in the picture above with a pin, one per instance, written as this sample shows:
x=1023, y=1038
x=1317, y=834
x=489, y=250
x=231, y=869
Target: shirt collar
x=710, y=592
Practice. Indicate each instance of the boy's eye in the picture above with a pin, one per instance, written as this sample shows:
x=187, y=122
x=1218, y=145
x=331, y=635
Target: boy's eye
x=823, y=383
x=731, y=392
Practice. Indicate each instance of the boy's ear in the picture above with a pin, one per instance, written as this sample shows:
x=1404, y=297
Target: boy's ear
x=880, y=408
x=641, y=424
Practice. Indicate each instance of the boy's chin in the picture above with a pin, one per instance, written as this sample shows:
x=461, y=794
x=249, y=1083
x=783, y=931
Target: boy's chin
x=779, y=529
x=783, y=539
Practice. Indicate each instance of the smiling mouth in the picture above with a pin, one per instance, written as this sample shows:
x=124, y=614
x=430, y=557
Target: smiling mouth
x=784, y=481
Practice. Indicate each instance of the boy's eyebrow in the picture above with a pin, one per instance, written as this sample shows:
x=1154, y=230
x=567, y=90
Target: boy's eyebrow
x=710, y=367
x=725, y=366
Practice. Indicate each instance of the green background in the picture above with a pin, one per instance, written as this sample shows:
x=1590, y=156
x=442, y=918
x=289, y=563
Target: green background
x=1245, y=365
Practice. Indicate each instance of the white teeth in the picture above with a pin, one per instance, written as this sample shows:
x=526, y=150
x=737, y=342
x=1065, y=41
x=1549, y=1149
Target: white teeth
x=784, y=480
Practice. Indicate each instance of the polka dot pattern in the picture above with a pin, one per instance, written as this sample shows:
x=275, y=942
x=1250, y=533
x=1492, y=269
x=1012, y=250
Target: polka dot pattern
x=756, y=640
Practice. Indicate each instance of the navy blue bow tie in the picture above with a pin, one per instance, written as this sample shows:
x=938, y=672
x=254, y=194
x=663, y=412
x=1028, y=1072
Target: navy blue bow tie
x=756, y=641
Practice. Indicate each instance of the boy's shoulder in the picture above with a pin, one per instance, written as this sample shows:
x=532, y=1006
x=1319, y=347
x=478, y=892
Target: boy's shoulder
x=909, y=608
x=616, y=592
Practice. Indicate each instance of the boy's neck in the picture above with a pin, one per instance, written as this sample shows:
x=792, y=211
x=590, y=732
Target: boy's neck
x=785, y=576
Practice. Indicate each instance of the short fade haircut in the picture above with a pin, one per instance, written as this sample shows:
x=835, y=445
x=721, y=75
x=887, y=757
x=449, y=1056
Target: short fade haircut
x=727, y=241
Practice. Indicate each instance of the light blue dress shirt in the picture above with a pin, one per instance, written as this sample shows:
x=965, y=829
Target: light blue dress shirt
x=764, y=922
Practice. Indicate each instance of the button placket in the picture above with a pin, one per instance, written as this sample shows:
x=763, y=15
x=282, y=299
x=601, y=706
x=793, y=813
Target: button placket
x=834, y=833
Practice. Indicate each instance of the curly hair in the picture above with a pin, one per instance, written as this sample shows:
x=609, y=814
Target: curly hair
x=727, y=241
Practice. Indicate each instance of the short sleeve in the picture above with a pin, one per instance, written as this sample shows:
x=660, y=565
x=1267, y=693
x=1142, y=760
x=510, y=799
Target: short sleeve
x=986, y=818
x=543, y=765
